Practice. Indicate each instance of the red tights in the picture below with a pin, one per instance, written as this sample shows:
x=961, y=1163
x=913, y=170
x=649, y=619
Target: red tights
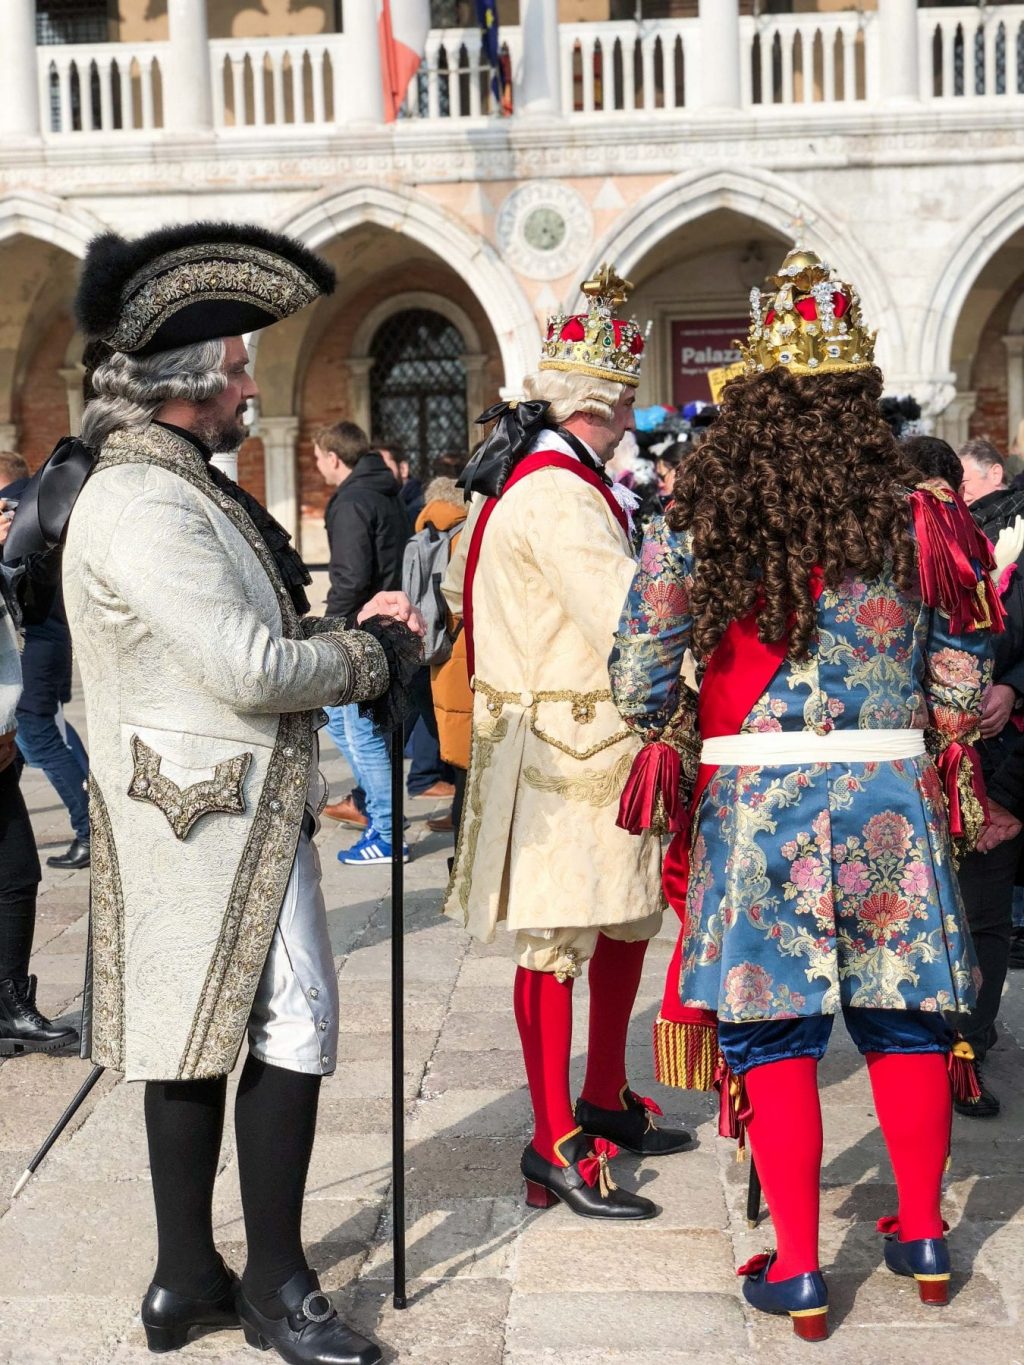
x=912, y=1100
x=543, y=1010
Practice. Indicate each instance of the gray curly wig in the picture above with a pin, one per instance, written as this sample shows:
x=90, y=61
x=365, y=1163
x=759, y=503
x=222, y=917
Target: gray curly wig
x=131, y=389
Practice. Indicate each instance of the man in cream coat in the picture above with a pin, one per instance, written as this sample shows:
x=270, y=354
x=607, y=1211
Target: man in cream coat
x=202, y=688
x=539, y=577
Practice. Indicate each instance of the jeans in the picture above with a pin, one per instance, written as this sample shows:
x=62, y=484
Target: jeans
x=367, y=753
x=64, y=761
x=986, y=884
x=764, y=1041
x=19, y=877
x=423, y=746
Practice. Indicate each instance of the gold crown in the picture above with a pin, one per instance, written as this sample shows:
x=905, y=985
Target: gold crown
x=809, y=321
x=597, y=342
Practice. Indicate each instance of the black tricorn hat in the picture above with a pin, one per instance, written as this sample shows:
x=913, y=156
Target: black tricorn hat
x=194, y=282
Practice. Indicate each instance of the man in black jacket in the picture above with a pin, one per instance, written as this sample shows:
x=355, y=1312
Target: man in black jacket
x=367, y=528
x=987, y=876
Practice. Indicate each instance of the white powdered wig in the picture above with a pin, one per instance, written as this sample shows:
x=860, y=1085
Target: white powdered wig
x=569, y=391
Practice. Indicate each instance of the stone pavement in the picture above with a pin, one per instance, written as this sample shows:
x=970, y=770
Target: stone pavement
x=490, y=1284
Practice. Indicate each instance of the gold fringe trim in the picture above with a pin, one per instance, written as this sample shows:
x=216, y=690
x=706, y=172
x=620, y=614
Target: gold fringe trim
x=685, y=1055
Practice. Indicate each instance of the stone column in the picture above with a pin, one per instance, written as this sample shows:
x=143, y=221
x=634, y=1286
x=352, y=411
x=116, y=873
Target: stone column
x=9, y=437
x=359, y=75
x=279, y=436
x=718, y=68
x=540, y=85
x=19, y=72
x=476, y=399
x=72, y=376
x=898, y=49
x=188, y=89
x=1014, y=385
x=952, y=424
x=359, y=367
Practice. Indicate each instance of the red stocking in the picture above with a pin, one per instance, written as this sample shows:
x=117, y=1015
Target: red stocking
x=615, y=971
x=914, y=1107
x=785, y=1138
x=543, y=1008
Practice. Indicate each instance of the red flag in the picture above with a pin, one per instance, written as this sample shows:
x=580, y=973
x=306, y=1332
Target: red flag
x=404, y=25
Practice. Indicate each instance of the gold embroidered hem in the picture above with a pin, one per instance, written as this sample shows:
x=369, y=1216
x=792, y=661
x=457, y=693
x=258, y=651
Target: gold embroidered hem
x=103, y=1031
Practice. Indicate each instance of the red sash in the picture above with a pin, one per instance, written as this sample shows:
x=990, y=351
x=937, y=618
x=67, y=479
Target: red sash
x=739, y=671
x=541, y=459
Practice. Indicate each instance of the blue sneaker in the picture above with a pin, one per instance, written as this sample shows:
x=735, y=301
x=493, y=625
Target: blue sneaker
x=370, y=851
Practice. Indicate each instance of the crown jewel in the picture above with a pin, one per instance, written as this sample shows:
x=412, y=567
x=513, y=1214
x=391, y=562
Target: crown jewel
x=596, y=342
x=808, y=320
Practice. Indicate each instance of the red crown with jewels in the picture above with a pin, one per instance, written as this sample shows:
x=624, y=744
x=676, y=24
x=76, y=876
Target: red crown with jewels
x=597, y=342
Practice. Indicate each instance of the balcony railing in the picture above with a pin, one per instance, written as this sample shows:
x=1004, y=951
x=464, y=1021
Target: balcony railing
x=605, y=70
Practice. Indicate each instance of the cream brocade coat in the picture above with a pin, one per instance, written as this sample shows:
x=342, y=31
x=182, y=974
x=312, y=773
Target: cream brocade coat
x=201, y=691
x=538, y=846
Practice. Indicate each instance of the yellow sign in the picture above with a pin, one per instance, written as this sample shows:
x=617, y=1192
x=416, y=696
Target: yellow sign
x=717, y=379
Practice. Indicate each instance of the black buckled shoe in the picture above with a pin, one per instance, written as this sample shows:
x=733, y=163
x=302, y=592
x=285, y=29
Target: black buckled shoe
x=311, y=1333
x=585, y=1184
x=77, y=856
x=22, y=1027
x=632, y=1127
x=168, y=1317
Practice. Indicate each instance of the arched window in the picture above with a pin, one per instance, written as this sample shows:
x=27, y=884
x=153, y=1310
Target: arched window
x=418, y=385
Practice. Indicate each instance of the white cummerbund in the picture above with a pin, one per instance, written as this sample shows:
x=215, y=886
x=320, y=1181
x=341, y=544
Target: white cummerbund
x=778, y=748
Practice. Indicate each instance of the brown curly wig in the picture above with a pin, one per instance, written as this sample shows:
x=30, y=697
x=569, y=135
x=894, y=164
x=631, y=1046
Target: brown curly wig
x=797, y=471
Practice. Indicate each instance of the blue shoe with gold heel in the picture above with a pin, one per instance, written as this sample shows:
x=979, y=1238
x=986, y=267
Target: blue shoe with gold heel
x=803, y=1297
x=926, y=1259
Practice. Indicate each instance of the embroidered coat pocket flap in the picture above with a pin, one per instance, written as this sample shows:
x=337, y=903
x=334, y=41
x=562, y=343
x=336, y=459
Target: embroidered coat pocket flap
x=579, y=724
x=183, y=806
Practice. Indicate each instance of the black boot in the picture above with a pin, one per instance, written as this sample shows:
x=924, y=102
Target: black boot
x=986, y=1106
x=77, y=856
x=22, y=1027
x=310, y=1333
x=168, y=1317
x=632, y=1128
x=585, y=1185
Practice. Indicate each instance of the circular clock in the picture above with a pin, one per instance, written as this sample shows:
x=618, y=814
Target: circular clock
x=544, y=229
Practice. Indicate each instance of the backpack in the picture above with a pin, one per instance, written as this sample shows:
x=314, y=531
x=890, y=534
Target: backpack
x=424, y=565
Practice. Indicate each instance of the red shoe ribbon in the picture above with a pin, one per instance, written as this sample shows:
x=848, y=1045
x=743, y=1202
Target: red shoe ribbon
x=595, y=1163
x=756, y=1264
x=648, y=1104
x=891, y=1224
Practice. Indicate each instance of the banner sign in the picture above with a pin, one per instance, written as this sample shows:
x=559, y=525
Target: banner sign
x=700, y=345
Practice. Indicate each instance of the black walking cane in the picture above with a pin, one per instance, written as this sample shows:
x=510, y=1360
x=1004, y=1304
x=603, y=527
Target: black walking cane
x=58, y=1128
x=753, y=1197
x=398, y=1012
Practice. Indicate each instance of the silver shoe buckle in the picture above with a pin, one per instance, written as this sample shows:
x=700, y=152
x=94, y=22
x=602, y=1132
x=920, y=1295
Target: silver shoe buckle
x=308, y=1310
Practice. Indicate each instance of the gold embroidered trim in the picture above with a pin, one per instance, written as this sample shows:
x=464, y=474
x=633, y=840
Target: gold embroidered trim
x=568, y=967
x=242, y=274
x=591, y=788
x=183, y=806
x=367, y=674
x=584, y=709
x=106, y=930
x=481, y=756
x=250, y=916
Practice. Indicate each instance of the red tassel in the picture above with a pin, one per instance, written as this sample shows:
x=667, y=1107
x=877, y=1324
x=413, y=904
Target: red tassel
x=733, y=1105
x=954, y=561
x=652, y=791
x=962, y=1075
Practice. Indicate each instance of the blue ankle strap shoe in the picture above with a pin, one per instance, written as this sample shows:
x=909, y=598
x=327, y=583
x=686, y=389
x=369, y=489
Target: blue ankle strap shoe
x=926, y=1259
x=803, y=1297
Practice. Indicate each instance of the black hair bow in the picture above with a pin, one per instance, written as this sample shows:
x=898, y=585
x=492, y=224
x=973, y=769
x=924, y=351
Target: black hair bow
x=516, y=428
x=46, y=502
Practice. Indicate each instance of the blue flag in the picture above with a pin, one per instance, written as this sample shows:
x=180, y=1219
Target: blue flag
x=501, y=77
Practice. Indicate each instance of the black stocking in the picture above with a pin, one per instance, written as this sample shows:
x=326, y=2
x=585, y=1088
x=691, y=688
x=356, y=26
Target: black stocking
x=275, y=1122
x=184, y=1123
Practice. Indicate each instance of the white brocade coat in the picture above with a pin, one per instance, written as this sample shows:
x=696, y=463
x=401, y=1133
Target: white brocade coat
x=538, y=846
x=200, y=691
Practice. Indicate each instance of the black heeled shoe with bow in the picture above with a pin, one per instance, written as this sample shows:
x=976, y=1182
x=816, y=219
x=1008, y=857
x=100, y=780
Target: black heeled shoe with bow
x=632, y=1127
x=584, y=1184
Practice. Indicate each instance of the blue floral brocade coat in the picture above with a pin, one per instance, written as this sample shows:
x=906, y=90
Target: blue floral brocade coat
x=826, y=884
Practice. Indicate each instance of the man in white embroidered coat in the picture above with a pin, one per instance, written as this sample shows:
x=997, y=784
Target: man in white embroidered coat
x=202, y=687
x=536, y=578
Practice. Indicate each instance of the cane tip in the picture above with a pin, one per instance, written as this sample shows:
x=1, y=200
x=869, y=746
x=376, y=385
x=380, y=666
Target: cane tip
x=752, y=1223
x=400, y=1301
x=23, y=1180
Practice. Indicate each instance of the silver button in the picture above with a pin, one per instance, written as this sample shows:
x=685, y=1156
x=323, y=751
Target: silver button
x=323, y=1025
x=143, y=784
x=325, y=1060
x=225, y=503
x=314, y=994
x=275, y=806
x=288, y=751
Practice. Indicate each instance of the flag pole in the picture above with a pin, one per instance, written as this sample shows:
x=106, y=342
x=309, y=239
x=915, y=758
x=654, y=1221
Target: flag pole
x=398, y=1012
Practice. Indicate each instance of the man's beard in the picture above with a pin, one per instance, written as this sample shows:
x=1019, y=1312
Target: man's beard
x=220, y=436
